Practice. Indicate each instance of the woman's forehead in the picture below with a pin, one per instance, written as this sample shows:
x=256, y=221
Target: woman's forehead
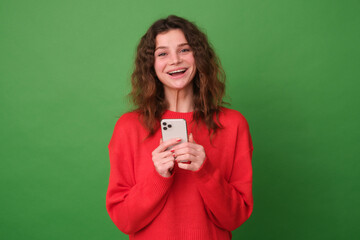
x=170, y=38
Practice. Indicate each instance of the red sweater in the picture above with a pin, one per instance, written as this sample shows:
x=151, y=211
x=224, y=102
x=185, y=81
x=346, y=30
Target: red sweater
x=206, y=204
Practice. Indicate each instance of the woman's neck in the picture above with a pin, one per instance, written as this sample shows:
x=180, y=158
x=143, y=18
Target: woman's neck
x=180, y=100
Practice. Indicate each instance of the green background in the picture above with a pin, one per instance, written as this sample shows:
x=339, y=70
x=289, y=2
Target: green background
x=292, y=70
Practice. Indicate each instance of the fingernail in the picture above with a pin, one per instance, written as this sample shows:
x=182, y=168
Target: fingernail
x=172, y=151
x=178, y=140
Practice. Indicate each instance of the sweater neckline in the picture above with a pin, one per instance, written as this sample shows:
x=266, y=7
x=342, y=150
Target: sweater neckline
x=188, y=116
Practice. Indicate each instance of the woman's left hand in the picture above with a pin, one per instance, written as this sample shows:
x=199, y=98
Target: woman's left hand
x=189, y=155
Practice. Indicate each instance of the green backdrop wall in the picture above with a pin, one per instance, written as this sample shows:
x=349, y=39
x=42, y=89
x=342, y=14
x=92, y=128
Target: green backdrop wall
x=292, y=69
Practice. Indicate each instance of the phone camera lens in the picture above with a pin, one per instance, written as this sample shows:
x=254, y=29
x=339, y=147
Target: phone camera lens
x=164, y=123
x=165, y=128
x=169, y=126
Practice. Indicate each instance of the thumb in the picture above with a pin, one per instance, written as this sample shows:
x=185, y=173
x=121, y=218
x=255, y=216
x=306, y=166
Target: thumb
x=191, y=138
x=161, y=141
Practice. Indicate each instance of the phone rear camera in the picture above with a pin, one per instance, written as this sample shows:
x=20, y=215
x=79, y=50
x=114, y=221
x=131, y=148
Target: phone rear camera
x=165, y=128
x=164, y=123
x=169, y=126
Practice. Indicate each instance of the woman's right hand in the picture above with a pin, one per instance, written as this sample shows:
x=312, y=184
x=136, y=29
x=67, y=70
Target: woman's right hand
x=164, y=159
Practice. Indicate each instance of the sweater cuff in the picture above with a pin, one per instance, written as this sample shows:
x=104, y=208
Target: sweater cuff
x=205, y=172
x=160, y=184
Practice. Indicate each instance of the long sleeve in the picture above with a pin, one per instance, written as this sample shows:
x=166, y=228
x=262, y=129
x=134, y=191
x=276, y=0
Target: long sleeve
x=229, y=201
x=132, y=205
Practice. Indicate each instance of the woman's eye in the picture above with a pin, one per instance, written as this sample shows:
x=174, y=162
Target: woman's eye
x=161, y=54
x=185, y=50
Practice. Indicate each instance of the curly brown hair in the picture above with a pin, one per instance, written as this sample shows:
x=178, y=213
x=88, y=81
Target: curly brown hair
x=147, y=92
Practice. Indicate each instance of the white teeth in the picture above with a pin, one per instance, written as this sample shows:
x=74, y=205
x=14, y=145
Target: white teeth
x=177, y=71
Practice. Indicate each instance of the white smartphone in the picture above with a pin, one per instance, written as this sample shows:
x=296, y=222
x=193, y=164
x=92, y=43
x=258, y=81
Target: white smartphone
x=174, y=128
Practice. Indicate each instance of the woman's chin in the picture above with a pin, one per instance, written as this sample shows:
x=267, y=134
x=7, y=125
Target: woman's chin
x=179, y=87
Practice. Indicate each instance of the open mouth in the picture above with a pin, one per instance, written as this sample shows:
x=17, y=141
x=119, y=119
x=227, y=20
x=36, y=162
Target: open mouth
x=177, y=72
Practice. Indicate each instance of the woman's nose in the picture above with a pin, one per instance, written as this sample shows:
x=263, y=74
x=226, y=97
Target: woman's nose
x=175, y=59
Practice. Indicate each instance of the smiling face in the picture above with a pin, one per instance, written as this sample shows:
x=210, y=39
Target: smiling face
x=174, y=61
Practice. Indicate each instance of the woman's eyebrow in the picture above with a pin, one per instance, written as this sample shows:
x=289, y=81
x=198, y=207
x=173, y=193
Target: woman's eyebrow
x=160, y=48
x=180, y=45
x=183, y=44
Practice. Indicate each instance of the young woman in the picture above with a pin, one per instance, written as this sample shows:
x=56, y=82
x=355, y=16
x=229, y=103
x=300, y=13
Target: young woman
x=200, y=189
